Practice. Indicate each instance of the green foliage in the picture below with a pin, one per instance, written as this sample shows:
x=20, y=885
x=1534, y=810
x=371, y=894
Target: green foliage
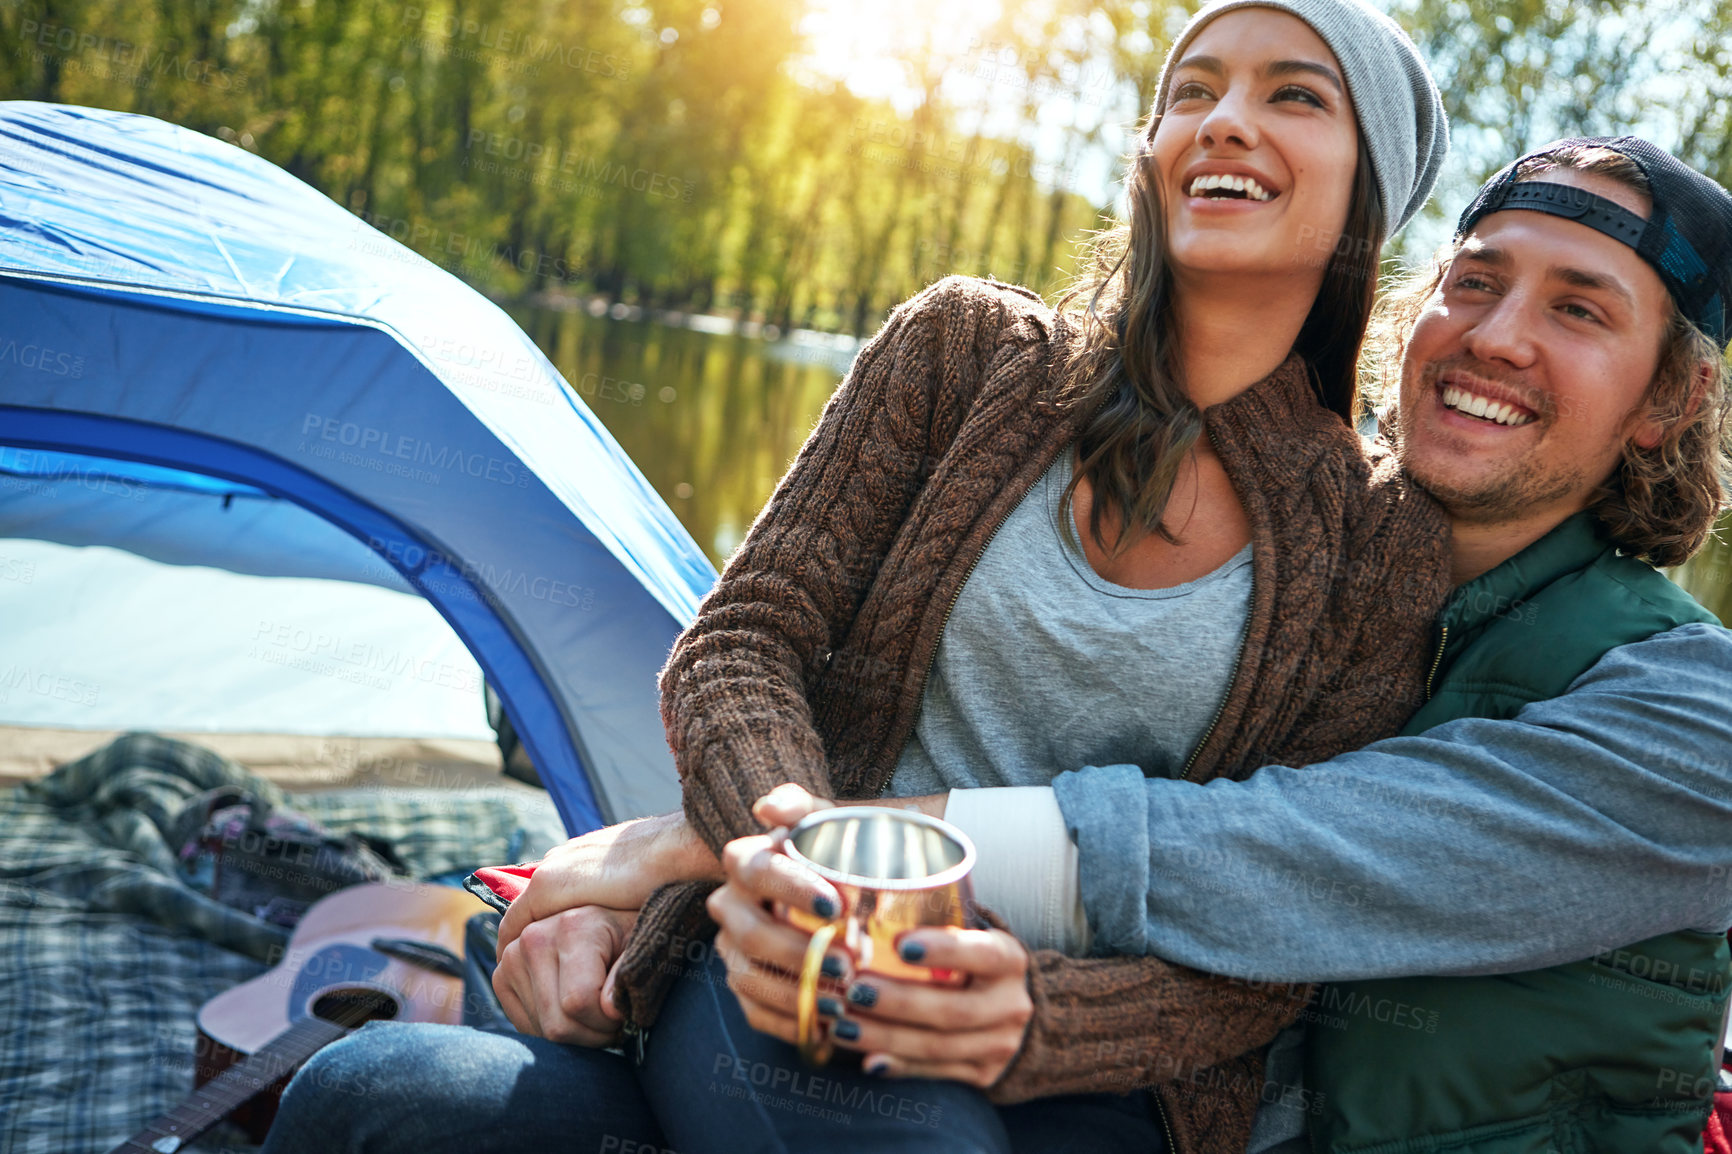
x=683, y=153
x=670, y=156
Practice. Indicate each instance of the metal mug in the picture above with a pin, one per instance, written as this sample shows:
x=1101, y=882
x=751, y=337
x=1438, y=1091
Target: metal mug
x=896, y=870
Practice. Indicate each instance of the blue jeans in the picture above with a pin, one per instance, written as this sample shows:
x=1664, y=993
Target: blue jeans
x=709, y=1083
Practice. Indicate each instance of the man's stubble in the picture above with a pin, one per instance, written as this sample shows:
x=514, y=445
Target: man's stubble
x=1504, y=492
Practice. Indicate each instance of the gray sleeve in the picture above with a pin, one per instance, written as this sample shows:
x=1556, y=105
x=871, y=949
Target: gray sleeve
x=1589, y=821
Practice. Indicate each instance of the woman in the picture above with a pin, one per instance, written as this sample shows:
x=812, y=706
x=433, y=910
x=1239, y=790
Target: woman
x=1230, y=552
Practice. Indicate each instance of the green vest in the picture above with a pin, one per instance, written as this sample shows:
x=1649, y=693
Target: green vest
x=1614, y=1055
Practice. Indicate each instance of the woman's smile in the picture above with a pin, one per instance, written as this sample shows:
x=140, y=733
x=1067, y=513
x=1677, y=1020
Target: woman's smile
x=1257, y=149
x=1215, y=184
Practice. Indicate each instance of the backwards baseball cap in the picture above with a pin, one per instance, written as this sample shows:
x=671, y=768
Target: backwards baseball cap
x=1687, y=238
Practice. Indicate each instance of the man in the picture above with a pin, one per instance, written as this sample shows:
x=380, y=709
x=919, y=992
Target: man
x=1564, y=829
x=1542, y=377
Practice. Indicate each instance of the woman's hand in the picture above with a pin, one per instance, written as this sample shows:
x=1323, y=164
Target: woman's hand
x=616, y=868
x=970, y=1034
x=787, y=804
x=905, y=1029
x=555, y=978
x=763, y=953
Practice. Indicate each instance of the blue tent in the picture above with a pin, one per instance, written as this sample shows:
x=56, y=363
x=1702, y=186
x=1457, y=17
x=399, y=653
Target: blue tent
x=205, y=362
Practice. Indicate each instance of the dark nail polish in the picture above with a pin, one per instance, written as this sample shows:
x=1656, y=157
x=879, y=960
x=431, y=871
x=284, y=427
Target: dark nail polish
x=823, y=907
x=846, y=1030
x=877, y=1068
x=832, y=967
x=913, y=951
x=863, y=995
x=829, y=1008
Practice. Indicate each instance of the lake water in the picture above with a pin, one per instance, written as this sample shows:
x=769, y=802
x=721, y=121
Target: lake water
x=712, y=418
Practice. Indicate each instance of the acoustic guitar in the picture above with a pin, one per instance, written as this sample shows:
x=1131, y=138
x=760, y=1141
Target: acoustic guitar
x=383, y=951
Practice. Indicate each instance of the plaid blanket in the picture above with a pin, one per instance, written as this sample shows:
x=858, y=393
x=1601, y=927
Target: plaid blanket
x=107, y=957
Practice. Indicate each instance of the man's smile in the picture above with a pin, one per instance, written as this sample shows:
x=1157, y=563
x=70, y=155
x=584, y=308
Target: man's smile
x=1481, y=402
x=1477, y=405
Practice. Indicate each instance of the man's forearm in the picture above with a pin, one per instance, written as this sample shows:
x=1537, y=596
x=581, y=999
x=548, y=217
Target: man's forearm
x=682, y=854
x=672, y=851
x=1587, y=822
x=618, y=866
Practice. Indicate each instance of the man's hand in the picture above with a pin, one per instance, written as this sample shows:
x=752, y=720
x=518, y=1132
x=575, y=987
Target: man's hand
x=617, y=868
x=555, y=979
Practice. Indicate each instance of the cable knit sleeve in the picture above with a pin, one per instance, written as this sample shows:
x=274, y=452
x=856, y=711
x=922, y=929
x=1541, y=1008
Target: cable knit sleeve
x=736, y=688
x=1113, y=1025
x=1378, y=639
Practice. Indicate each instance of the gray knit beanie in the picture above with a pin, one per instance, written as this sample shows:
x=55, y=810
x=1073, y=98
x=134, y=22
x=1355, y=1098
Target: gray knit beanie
x=1401, y=115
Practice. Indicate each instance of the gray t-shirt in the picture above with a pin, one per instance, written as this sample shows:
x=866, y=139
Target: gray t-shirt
x=1045, y=667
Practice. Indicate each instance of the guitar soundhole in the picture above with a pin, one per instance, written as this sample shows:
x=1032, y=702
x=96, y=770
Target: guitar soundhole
x=351, y=1007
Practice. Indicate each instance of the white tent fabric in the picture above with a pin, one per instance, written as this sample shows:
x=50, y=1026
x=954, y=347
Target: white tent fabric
x=100, y=638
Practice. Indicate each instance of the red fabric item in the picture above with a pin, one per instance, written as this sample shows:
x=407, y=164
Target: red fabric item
x=509, y=881
x=1717, y=1138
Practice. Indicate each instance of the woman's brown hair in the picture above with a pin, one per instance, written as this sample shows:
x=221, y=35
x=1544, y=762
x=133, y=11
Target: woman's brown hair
x=1660, y=504
x=1125, y=370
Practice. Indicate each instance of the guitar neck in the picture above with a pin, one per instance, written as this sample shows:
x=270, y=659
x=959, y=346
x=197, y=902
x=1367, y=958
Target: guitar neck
x=233, y=1088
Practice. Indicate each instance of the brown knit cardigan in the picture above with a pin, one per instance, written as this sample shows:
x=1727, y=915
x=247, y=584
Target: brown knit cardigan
x=808, y=660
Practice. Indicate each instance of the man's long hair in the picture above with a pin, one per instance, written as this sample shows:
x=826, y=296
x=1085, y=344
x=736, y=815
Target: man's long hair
x=1660, y=504
x=1125, y=369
